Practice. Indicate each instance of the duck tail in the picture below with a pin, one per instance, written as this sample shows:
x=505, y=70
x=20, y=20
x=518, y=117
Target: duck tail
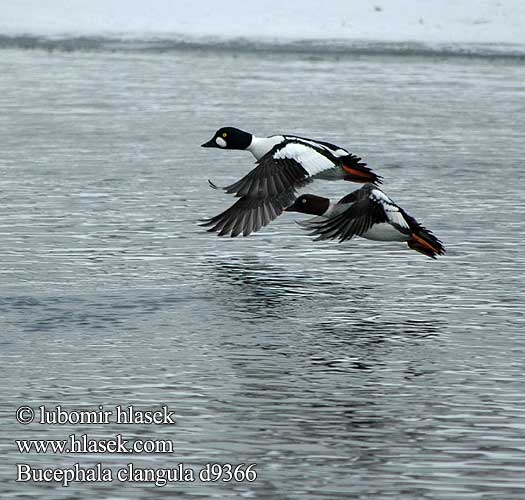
x=357, y=171
x=424, y=241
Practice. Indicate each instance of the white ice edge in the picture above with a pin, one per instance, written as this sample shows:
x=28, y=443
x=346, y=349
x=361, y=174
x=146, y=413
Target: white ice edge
x=437, y=21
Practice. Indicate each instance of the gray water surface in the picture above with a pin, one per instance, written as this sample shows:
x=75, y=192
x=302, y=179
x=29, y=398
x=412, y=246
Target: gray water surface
x=356, y=370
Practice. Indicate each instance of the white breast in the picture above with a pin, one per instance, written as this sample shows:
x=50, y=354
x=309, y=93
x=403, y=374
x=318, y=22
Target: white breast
x=384, y=232
x=261, y=145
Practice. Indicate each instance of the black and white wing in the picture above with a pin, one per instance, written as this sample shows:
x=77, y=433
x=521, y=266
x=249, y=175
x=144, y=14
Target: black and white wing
x=249, y=214
x=356, y=213
x=354, y=168
x=269, y=188
x=289, y=165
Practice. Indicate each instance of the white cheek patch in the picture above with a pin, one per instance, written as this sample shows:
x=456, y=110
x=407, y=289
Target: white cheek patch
x=220, y=142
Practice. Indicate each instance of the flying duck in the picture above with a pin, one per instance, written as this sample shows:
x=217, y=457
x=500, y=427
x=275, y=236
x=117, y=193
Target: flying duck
x=284, y=164
x=367, y=212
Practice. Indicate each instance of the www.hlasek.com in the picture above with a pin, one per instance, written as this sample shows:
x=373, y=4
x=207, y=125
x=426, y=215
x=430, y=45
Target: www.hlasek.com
x=83, y=444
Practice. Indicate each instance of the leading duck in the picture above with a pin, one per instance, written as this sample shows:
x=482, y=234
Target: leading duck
x=285, y=163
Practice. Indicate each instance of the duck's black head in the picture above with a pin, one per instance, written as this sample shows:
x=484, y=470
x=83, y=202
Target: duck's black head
x=310, y=204
x=229, y=138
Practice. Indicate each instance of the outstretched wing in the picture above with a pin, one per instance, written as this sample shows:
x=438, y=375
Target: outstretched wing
x=356, y=213
x=249, y=214
x=394, y=214
x=269, y=188
x=289, y=165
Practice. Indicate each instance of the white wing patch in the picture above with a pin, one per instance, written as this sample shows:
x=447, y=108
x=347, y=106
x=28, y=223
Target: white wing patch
x=392, y=211
x=312, y=161
x=380, y=197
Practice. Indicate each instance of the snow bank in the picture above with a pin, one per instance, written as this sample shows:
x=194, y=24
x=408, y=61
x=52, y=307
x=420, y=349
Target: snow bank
x=441, y=21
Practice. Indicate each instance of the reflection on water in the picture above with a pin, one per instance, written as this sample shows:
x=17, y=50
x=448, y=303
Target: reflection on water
x=360, y=370
x=263, y=289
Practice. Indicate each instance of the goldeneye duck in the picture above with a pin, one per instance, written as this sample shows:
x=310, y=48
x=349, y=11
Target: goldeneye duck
x=369, y=213
x=285, y=163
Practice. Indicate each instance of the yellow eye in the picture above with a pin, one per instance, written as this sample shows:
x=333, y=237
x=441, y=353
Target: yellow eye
x=225, y=135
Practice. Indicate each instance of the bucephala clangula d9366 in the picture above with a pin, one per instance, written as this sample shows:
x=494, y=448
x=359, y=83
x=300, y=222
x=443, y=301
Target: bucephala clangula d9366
x=369, y=213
